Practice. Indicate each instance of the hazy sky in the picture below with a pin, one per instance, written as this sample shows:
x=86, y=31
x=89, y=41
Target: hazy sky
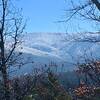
x=42, y=16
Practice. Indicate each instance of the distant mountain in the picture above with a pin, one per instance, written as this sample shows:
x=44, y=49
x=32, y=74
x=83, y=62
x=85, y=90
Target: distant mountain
x=56, y=44
x=44, y=48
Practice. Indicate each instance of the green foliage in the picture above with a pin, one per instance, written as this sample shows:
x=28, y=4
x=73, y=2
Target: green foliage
x=27, y=98
x=63, y=97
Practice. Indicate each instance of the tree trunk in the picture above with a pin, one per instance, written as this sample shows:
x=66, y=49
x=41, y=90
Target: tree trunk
x=5, y=83
x=4, y=70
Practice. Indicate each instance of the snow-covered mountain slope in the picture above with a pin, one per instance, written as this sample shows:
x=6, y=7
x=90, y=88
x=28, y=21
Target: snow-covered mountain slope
x=44, y=48
x=50, y=43
x=56, y=44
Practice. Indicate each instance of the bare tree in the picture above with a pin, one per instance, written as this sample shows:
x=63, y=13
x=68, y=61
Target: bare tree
x=87, y=10
x=90, y=11
x=11, y=26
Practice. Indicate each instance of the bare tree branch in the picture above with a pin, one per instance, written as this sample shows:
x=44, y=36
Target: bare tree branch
x=97, y=3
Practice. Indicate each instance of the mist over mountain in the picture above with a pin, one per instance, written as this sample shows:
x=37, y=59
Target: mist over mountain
x=44, y=48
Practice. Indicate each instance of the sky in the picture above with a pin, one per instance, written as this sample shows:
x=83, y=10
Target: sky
x=43, y=16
